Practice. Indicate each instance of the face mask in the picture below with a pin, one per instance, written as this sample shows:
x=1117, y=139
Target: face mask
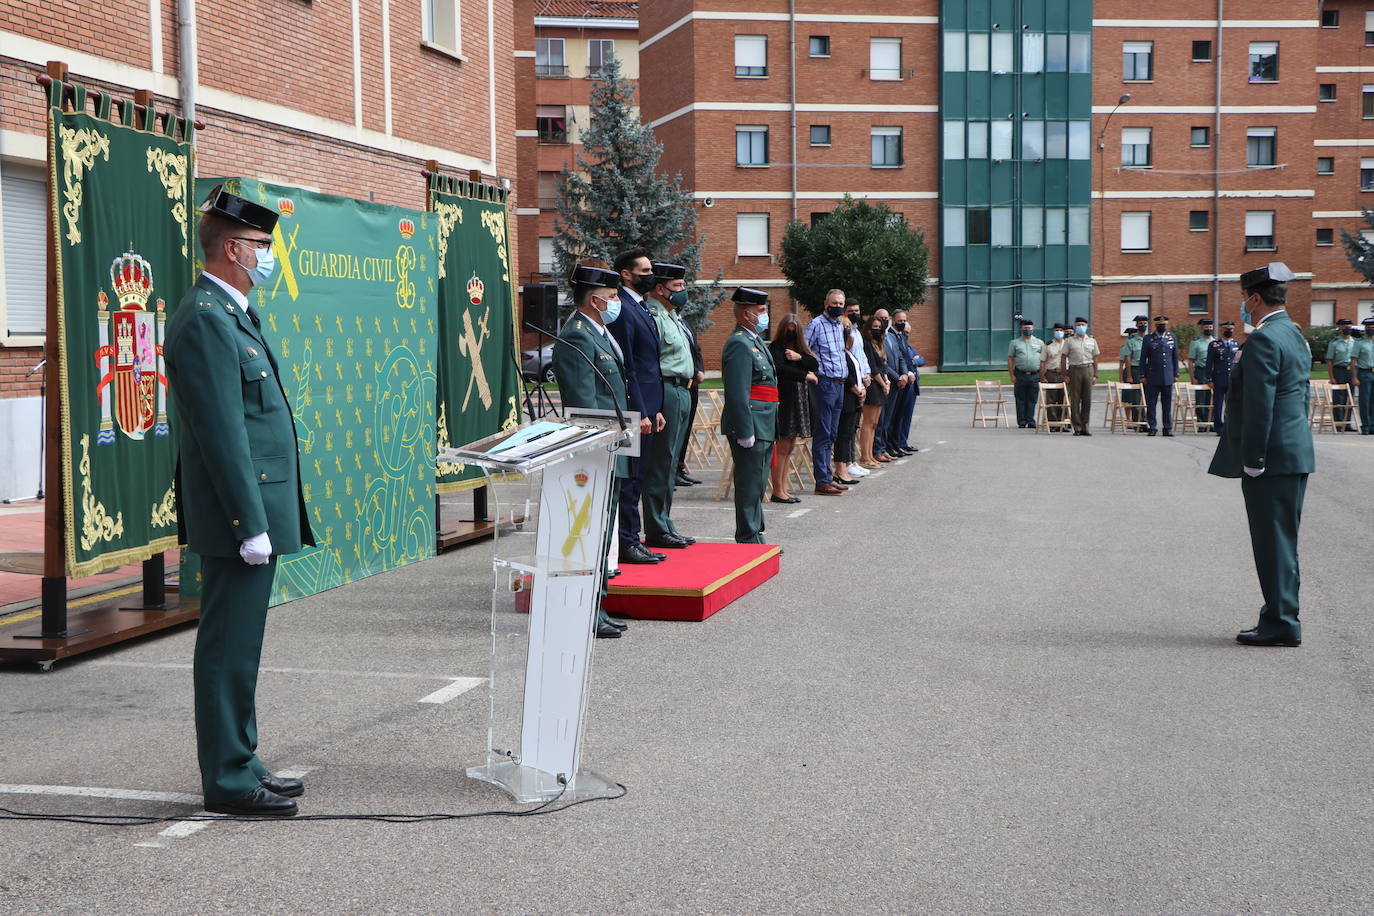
x=643, y=283
x=1058, y=335
x=761, y=323
x=678, y=299
x=1026, y=332
x=1140, y=327
x=886, y=323
x=875, y=333
x=853, y=317
x=1227, y=333
x=611, y=311
x=1161, y=328
x=834, y=311
x=267, y=262
x=1081, y=329
x=1345, y=332
x=901, y=326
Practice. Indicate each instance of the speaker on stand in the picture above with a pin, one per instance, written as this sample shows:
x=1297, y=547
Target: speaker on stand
x=539, y=309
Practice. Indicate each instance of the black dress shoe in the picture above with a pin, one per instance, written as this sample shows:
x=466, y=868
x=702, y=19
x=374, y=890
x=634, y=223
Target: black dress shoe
x=1150, y=433
x=1252, y=638
x=683, y=475
x=844, y=482
x=258, y=803
x=636, y=555
x=682, y=481
x=1168, y=435
x=670, y=541
x=788, y=501
x=284, y=786
x=606, y=631
x=1086, y=433
x=620, y=625
x=613, y=573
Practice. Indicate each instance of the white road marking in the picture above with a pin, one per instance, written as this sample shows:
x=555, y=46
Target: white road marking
x=185, y=828
x=460, y=686
x=798, y=513
x=175, y=798
x=404, y=675
x=901, y=461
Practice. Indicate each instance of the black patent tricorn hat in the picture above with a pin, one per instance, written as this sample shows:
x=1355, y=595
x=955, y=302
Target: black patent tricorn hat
x=746, y=296
x=583, y=275
x=239, y=210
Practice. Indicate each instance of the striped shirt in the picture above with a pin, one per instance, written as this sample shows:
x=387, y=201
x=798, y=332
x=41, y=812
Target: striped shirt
x=825, y=337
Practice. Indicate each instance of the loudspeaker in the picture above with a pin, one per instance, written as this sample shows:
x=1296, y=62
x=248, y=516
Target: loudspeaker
x=539, y=306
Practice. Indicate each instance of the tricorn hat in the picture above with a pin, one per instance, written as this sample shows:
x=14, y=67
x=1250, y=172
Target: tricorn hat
x=239, y=210
x=1343, y=322
x=1274, y=272
x=1161, y=318
x=746, y=296
x=669, y=271
x=1141, y=318
x=594, y=276
x=1080, y=321
x=1206, y=323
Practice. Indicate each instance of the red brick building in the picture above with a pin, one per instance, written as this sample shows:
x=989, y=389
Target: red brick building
x=351, y=100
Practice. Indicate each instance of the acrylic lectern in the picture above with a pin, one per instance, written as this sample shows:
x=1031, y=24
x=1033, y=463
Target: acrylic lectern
x=549, y=494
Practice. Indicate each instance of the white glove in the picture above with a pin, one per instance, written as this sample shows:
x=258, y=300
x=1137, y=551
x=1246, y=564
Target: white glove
x=257, y=550
x=746, y=443
x=1253, y=472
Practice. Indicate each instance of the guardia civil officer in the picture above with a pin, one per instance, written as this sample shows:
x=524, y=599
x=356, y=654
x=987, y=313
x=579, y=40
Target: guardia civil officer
x=1268, y=445
x=596, y=295
x=1362, y=361
x=1130, y=365
x=669, y=293
x=1221, y=357
x=238, y=486
x=1024, y=356
x=749, y=419
x=1338, y=353
x=1159, y=363
x=1197, y=367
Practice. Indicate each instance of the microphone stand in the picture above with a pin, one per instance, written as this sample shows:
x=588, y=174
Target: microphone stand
x=619, y=415
x=42, y=430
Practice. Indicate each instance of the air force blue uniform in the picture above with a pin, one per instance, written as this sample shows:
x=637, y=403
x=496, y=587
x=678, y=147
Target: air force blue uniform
x=1159, y=368
x=1221, y=356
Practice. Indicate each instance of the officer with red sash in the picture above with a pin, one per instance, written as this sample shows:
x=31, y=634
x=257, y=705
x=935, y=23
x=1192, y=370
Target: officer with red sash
x=749, y=421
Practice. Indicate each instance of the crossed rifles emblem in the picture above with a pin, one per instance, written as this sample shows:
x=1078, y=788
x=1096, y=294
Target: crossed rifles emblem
x=470, y=345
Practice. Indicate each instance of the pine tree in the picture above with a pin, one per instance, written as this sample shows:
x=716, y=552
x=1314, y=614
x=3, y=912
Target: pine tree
x=1359, y=249
x=615, y=199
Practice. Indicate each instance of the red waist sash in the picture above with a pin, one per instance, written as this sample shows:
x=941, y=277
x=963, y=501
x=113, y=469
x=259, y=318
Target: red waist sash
x=763, y=393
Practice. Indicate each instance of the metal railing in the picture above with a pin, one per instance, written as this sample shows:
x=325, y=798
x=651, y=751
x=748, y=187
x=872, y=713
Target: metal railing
x=551, y=71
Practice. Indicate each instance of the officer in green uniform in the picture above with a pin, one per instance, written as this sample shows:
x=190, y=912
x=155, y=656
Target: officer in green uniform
x=1024, y=356
x=749, y=420
x=240, y=504
x=1338, y=353
x=585, y=343
x=1130, y=367
x=1268, y=445
x=1197, y=368
x=1362, y=363
x=678, y=371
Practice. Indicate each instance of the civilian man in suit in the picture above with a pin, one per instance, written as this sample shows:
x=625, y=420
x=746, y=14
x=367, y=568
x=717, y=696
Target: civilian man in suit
x=683, y=478
x=1268, y=445
x=1221, y=356
x=901, y=371
x=1159, y=362
x=749, y=420
x=596, y=294
x=240, y=504
x=634, y=330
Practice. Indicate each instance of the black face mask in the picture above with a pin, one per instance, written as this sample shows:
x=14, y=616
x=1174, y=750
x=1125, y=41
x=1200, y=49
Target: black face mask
x=1228, y=333
x=643, y=283
x=854, y=317
x=834, y=311
x=789, y=336
x=1345, y=332
x=875, y=333
x=901, y=326
x=1161, y=328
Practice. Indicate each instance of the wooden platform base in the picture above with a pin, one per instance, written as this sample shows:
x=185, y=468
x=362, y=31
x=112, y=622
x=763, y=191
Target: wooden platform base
x=463, y=532
x=104, y=624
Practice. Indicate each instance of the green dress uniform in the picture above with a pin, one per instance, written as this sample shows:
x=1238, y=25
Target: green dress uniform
x=678, y=370
x=1362, y=369
x=1267, y=428
x=748, y=372
x=579, y=386
x=1338, y=353
x=1130, y=355
x=238, y=475
x=1197, y=361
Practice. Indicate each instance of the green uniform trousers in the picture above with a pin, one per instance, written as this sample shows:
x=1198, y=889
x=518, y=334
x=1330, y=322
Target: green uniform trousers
x=660, y=479
x=1274, y=508
x=233, y=616
x=751, y=476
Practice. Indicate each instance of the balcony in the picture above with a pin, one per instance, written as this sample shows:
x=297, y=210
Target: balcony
x=551, y=71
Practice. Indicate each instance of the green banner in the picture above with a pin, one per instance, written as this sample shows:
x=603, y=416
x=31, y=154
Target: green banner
x=118, y=205
x=478, y=376
x=350, y=313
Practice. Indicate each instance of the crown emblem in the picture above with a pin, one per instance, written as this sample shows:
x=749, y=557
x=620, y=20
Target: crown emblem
x=581, y=478
x=132, y=279
x=286, y=206
x=407, y=227
x=475, y=290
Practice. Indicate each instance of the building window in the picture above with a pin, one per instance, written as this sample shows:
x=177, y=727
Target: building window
x=1367, y=174
x=751, y=145
x=953, y=147
x=1081, y=53
x=600, y=52
x=955, y=56
x=1001, y=140
x=885, y=59
x=1056, y=139
x=1001, y=226
x=1135, y=147
x=552, y=123
x=1200, y=136
x=1326, y=165
x=1057, y=53
x=1080, y=224
x=1326, y=237
x=1003, y=52
x=1197, y=303
x=979, y=221
x=978, y=139
x=1259, y=230
x=1033, y=140
x=1139, y=61
x=548, y=58
x=1260, y=143
x=820, y=134
x=978, y=52
x=1326, y=92
x=1331, y=19
x=23, y=205
x=1135, y=305
x=751, y=235
x=1056, y=226
x=1199, y=220
x=1033, y=52
x=955, y=234
x=820, y=45
x=1135, y=231
x=548, y=190
x=818, y=216
x=1032, y=227
x=1369, y=28
x=1202, y=51
x=1323, y=313
x=546, y=255
x=751, y=55
x=1264, y=61
x=887, y=147
x=440, y=25
x=1367, y=102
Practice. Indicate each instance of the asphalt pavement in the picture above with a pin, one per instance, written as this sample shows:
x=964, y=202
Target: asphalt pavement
x=997, y=677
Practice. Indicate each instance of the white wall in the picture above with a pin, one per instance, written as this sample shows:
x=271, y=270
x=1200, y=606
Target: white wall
x=19, y=436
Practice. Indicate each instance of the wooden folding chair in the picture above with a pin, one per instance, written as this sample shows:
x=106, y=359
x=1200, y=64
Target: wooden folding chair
x=1043, y=411
x=1113, y=399
x=1129, y=416
x=1199, y=419
x=799, y=467
x=989, y=406
x=1348, y=408
x=727, y=472
x=1322, y=418
x=1185, y=421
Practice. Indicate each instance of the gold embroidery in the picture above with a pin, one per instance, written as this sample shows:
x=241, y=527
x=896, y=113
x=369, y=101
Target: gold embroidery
x=165, y=512
x=449, y=216
x=495, y=221
x=171, y=169
x=79, y=151
x=96, y=523
x=405, y=287
x=446, y=467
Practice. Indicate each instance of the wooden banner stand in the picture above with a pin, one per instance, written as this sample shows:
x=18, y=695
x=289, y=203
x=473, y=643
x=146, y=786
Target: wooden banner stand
x=103, y=622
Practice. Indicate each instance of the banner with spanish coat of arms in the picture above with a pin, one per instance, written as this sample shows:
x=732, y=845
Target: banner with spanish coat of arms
x=119, y=201
x=478, y=375
x=350, y=312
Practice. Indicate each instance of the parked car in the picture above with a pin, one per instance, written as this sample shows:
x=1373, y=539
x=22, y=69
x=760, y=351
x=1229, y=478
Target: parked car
x=538, y=364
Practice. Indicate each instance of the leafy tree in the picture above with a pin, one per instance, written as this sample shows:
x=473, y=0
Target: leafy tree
x=865, y=249
x=615, y=198
x=1359, y=251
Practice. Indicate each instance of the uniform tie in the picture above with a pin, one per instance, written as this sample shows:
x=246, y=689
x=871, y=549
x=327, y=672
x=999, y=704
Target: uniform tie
x=253, y=317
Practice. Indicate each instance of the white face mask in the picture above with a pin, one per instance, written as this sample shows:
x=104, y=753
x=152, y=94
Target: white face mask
x=266, y=263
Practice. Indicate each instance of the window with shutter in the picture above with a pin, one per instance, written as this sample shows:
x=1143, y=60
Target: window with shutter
x=1259, y=230
x=1135, y=231
x=751, y=55
x=751, y=234
x=23, y=231
x=885, y=59
x=1135, y=147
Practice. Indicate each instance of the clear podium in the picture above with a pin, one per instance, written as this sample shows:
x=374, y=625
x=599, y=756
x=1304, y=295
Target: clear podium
x=550, y=499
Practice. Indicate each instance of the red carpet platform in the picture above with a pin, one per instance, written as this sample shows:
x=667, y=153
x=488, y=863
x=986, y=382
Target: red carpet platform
x=693, y=583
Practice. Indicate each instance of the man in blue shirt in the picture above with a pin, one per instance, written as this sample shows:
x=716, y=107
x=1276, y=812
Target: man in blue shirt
x=825, y=337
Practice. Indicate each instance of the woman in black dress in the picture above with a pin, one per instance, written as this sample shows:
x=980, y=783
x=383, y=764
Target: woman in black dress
x=796, y=367
x=849, y=409
x=876, y=396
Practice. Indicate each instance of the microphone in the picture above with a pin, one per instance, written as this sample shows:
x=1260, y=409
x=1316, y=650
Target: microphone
x=578, y=350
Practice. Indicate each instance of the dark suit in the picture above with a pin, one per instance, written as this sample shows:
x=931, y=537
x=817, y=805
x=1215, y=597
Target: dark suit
x=238, y=475
x=1269, y=430
x=1221, y=356
x=637, y=335
x=1159, y=361
x=747, y=371
x=900, y=401
x=700, y=367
